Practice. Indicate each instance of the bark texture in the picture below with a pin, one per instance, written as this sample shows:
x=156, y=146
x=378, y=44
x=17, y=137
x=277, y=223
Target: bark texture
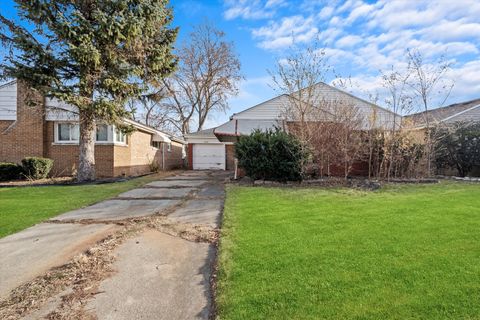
x=86, y=166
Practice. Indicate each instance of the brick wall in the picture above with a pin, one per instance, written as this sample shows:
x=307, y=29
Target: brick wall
x=31, y=135
x=190, y=156
x=137, y=157
x=113, y=160
x=23, y=137
x=230, y=154
x=173, y=159
x=65, y=156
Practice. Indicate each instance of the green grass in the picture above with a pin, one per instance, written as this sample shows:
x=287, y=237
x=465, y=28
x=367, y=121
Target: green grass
x=404, y=252
x=22, y=207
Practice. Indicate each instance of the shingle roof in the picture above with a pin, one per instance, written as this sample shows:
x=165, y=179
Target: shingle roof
x=440, y=114
x=201, y=133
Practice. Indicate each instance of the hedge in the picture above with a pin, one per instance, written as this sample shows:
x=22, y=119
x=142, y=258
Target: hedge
x=37, y=168
x=10, y=171
x=271, y=155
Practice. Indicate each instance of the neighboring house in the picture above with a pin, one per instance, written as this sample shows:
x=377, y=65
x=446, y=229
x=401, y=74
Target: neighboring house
x=214, y=148
x=50, y=129
x=464, y=111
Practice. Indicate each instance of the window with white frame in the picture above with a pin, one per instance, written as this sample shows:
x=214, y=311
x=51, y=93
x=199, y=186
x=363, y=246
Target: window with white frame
x=68, y=132
x=120, y=136
x=155, y=144
x=102, y=133
x=169, y=147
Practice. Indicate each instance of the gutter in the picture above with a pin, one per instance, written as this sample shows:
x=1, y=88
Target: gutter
x=163, y=156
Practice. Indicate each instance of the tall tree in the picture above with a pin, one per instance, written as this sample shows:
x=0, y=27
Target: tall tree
x=430, y=86
x=93, y=54
x=208, y=74
x=297, y=75
x=328, y=125
x=398, y=99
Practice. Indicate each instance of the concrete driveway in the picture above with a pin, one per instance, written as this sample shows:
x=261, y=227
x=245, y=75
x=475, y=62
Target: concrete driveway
x=157, y=273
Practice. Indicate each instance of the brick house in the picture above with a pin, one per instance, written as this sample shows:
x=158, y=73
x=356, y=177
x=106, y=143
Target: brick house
x=49, y=128
x=214, y=148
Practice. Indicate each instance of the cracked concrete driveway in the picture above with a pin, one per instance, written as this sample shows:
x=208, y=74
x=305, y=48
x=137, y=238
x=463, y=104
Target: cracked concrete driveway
x=158, y=271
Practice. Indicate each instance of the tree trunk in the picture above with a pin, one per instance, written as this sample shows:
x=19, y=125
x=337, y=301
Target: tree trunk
x=86, y=167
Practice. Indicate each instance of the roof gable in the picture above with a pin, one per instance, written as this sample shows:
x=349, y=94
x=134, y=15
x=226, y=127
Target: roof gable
x=274, y=108
x=469, y=110
x=267, y=110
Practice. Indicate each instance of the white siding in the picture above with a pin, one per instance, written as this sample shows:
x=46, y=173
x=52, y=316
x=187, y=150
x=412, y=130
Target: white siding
x=384, y=118
x=472, y=114
x=274, y=109
x=60, y=111
x=8, y=101
x=247, y=126
x=268, y=110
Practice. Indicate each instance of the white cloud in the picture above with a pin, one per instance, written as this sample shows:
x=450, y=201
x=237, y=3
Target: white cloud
x=362, y=37
x=252, y=9
x=275, y=4
x=467, y=81
x=326, y=12
x=446, y=30
x=360, y=11
x=348, y=41
x=277, y=35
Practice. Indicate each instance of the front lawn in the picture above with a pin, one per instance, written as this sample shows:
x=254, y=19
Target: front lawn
x=22, y=207
x=404, y=252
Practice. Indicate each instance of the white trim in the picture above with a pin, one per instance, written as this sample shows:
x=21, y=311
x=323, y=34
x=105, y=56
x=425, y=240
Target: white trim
x=160, y=138
x=459, y=113
x=8, y=83
x=423, y=126
x=110, y=136
x=204, y=140
x=56, y=133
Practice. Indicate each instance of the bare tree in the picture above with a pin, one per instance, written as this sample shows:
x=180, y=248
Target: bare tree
x=297, y=76
x=208, y=74
x=429, y=85
x=329, y=124
x=398, y=100
x=145, y=107
x=348, y=135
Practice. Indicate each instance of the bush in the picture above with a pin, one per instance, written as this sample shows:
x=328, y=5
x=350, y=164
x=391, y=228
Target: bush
x=457, y=146
x=271, y=155
x=10, y=171
x=37, y=168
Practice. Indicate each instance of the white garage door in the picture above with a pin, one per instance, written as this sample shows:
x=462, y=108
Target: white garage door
x=208, y=156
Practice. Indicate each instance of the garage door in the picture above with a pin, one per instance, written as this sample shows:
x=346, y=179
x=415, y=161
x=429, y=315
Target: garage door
x=208, y=156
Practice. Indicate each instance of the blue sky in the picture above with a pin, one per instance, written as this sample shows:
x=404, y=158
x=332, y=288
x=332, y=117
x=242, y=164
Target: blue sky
x=360, y=38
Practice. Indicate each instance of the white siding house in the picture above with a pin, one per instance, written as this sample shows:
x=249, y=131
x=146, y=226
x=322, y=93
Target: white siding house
x=269, y=115
x=8, y=101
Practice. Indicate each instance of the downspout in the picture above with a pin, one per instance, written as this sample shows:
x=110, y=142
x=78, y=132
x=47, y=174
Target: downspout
x=163, y=156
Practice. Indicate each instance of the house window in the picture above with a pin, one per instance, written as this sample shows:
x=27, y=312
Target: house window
x=156, y=144
x=120, y=136
x=68, y=132
x=102, y=133
x=169, y=147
